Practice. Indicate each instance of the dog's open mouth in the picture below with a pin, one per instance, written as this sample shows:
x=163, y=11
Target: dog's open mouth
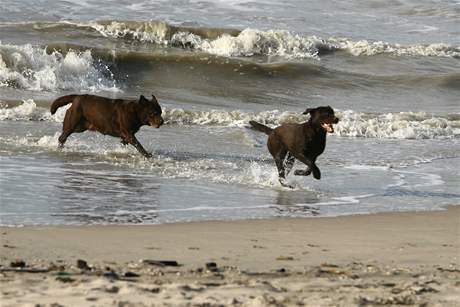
x=153, y=124
x=328, y=127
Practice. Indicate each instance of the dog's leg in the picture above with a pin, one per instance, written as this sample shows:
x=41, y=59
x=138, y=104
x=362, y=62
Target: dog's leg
x=289, y=163
x=316, y=171
x=311, y=168
x=131, y=139
x=71, y=121
x=280, y=166
x=278, y=151
x=66, y=131
x=279, y=161
x=282, y=171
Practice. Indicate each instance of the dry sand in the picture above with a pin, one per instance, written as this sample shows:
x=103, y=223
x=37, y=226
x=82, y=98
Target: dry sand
x=382, y=259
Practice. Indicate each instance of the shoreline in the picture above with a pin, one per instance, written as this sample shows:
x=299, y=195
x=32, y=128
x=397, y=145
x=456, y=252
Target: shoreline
x=420, y=211
x=407, y=258
x=166, y=239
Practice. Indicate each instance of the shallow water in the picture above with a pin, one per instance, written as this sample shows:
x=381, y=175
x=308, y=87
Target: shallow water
x=390, y=71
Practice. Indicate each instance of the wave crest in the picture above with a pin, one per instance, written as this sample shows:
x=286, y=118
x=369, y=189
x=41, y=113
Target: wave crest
x=403, y=125
x=253, y=42
x=33, y=68
x=364, y=47
x=29, y=111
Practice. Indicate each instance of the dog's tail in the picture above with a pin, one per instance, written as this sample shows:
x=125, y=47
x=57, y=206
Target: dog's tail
x=259, y=127
x=61, y=101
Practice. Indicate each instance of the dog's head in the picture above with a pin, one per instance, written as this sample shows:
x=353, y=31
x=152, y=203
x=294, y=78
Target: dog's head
x=151, y=111
x=323, y=117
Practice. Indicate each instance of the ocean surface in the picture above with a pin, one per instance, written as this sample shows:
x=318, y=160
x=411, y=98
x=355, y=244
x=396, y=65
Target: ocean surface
x=390, y=69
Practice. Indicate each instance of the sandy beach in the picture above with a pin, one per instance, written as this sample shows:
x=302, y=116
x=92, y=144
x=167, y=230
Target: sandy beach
x=205, y=220
x=407, y=258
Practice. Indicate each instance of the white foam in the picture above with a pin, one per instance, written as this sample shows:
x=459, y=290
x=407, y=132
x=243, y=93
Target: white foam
x=344, y=200
x=49, y=141
x=208, y=169
x=32, y=68
x=428, y=179
x=403, y=125
x=221, y=117
x=254, y=42
x=367, y=167
x=28, y=110
x=399, y=181
x=250, y=42
x=197, y=208
x=368, y=48
x=155, y=32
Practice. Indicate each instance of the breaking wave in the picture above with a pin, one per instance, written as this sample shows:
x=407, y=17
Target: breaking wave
x=29, y=111
x=247, y=42
x=37, y=69
x=403, y=125
x=251, y=42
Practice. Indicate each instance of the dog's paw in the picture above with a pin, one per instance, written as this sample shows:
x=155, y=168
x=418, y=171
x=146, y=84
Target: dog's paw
x=284, y=183
x=302, y=172
x=317, y=174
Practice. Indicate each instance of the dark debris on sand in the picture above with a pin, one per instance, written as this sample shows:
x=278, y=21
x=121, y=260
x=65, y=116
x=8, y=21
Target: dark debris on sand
x=355, y=284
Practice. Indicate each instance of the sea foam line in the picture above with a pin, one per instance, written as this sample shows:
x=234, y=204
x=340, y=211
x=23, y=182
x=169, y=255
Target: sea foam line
x=403, y=125
x=251, y=42
x=344, y=200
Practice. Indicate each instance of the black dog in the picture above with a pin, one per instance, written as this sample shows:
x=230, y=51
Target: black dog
x=304, y=142
x=115, y=117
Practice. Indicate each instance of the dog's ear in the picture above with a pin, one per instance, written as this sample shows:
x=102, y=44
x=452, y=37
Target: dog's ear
x=142, y=99
x=155, y=104
x=309, y=111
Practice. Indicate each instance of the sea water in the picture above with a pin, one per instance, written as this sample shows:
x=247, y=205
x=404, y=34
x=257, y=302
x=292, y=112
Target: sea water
x=390, y=70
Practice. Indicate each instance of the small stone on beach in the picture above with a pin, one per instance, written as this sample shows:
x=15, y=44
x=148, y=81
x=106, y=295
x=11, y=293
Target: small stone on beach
x=83, y=265
x=18, y=264
x=285, y=258
x=282, y=270
x=211, y=266
x=64, y=279
x=110, y=275
x=130, y=274
x=161, y=262
x=113, y=289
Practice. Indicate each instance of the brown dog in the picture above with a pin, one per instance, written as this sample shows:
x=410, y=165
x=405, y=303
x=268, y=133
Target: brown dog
x=115, y=117
x=304, y=142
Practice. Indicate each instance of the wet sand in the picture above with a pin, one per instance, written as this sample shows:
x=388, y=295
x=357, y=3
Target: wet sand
x=407, y=258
